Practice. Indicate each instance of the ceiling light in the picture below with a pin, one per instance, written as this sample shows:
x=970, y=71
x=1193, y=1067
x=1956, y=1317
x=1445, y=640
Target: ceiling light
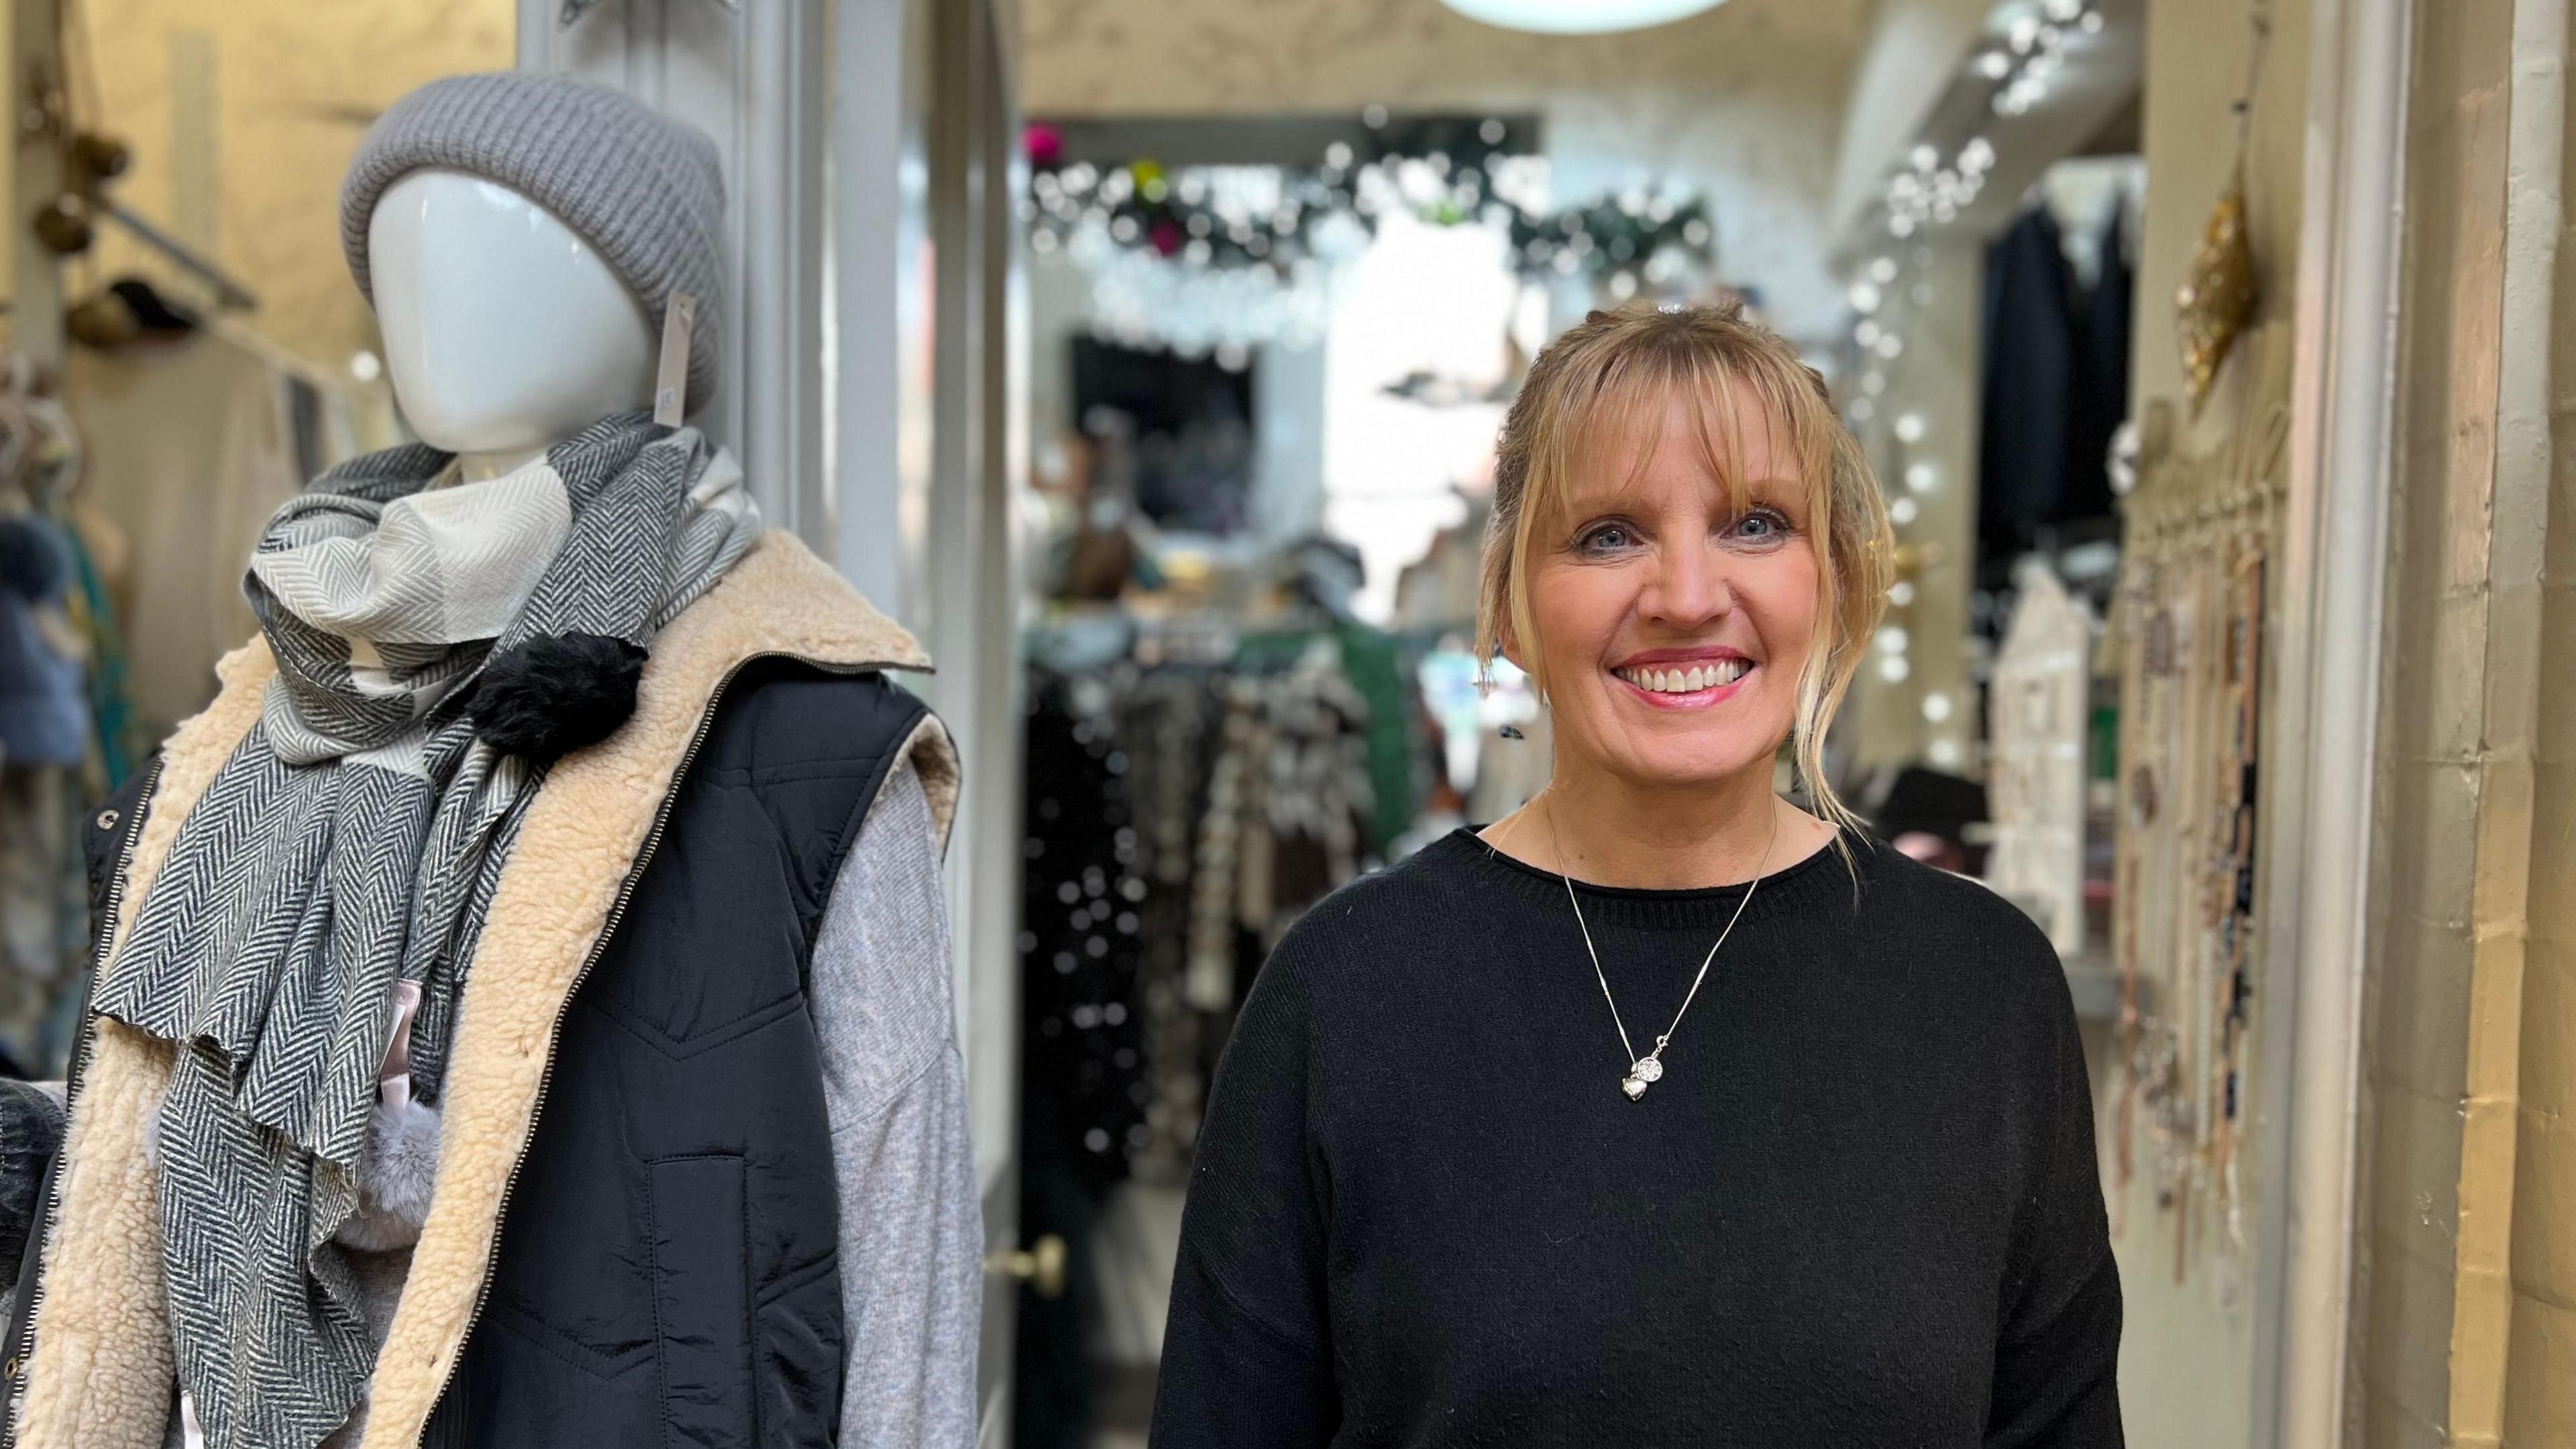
x=1578, y=17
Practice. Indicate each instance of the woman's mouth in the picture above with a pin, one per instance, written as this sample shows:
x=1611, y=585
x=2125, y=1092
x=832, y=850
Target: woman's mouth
x=1693, y=685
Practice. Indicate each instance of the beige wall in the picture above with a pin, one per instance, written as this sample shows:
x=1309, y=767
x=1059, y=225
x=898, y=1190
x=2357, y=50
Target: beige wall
x=2540, y=1385
x=2469, y=1260
x=2198, y=52
x=2415, y=1044
x=241, y=117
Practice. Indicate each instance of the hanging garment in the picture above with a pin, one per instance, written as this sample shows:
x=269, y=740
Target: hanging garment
x=2098, y=400
x=190, y=449
x=1085, y=1098
x=2056, y=384
x=2028, y=397
x=44, y=738
x=41, y=910
x=1082, y=1025
x=91, y=606
x=1289, y=810
x=44, y=708
x=1172, y=716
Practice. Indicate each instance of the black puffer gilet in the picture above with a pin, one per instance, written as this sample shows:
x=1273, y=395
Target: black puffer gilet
x=667, y=1271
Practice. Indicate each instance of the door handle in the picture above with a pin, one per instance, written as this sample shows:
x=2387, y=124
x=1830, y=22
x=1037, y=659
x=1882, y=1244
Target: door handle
x=1041, y=1265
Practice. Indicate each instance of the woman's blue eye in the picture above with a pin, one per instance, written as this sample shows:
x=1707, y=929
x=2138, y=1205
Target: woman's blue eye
x=1608, y=537
x=1760, y=525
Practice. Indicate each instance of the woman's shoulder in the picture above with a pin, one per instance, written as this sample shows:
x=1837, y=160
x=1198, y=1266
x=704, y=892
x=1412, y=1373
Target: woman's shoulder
x=1902, y=883
x=1411, y=895
x=1366, y=933
x=1938, y=918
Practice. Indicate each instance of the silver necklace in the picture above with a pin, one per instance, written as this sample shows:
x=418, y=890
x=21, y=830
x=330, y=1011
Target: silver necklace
x=1645, y=1071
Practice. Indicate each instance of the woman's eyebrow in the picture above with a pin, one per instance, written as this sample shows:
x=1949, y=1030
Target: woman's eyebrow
x=1598, y=498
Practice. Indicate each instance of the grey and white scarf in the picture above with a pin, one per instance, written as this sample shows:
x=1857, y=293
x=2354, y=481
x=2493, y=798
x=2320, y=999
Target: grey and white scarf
x=353, y=842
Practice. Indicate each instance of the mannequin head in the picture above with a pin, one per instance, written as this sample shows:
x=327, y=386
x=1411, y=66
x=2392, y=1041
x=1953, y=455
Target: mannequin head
x=504, y=330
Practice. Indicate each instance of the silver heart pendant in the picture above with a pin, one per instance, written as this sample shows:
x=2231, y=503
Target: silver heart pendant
x=1635, y=1087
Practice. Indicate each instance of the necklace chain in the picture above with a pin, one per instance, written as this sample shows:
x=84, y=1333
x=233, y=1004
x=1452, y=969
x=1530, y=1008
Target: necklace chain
x=1644, y=1071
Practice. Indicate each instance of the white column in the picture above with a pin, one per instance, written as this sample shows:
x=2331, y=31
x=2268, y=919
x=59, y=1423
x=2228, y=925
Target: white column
x=878, y=211
x=2323, y=727
x=753, y=80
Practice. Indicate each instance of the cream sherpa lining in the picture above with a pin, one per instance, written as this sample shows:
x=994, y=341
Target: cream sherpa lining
x=101, y=1376
x=101, y=1372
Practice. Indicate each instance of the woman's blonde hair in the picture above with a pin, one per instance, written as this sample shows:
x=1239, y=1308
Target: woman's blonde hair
x=1612, y=377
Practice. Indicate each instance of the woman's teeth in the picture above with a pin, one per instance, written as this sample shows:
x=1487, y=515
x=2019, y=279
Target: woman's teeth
x=1684, y=681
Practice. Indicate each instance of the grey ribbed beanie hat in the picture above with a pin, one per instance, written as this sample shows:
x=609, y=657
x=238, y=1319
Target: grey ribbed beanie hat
x=646, y=190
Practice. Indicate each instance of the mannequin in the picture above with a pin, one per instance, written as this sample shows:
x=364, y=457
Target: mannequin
x=630, y=853
x=504, y=330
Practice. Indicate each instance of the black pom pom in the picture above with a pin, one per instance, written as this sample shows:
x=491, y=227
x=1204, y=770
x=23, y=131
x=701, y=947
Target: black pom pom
x=552, y=695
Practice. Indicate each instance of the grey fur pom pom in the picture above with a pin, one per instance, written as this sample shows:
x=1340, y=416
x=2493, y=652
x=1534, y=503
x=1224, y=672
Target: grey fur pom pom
x=395, y=1184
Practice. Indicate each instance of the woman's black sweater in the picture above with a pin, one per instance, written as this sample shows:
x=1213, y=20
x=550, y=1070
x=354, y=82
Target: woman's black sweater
x=1861, y=1207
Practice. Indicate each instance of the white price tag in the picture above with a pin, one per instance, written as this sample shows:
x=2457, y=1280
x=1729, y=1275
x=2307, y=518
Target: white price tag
x=671, y=380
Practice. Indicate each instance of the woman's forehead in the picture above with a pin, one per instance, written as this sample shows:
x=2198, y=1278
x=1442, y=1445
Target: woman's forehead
x=1722, y=425
x=1683, y=443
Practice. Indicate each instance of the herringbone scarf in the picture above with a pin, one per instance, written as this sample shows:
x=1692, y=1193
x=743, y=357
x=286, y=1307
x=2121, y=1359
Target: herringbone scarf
x=353, y=840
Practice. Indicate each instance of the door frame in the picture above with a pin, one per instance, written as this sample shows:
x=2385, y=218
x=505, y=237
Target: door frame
x=2325, y=722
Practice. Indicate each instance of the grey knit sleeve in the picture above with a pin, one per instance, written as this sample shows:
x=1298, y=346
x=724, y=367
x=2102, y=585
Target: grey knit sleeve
x=895, y=1084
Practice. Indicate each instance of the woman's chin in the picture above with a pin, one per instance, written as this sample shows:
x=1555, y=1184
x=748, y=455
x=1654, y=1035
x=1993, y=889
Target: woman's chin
x=1699, y=766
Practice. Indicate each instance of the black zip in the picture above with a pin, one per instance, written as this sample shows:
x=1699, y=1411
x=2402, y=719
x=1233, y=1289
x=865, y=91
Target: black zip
x=21, y=1335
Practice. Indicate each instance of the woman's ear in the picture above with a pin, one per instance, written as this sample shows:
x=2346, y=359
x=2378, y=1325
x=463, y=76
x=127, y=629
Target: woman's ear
x=1509, y=646
x=1507, y=643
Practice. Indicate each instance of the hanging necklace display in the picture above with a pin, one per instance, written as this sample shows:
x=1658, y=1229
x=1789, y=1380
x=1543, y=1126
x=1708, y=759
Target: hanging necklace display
x=1645, y=1071
x=2193, y=607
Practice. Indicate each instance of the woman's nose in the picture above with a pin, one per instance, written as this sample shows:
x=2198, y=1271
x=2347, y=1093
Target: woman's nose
x=1690, y=587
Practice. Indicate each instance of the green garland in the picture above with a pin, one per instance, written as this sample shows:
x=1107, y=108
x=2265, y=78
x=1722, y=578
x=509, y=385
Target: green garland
x=1146, y=207
x=1612, y=235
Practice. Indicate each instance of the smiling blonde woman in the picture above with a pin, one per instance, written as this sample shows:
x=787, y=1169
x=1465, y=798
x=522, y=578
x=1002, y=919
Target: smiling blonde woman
x=1661, y=1111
